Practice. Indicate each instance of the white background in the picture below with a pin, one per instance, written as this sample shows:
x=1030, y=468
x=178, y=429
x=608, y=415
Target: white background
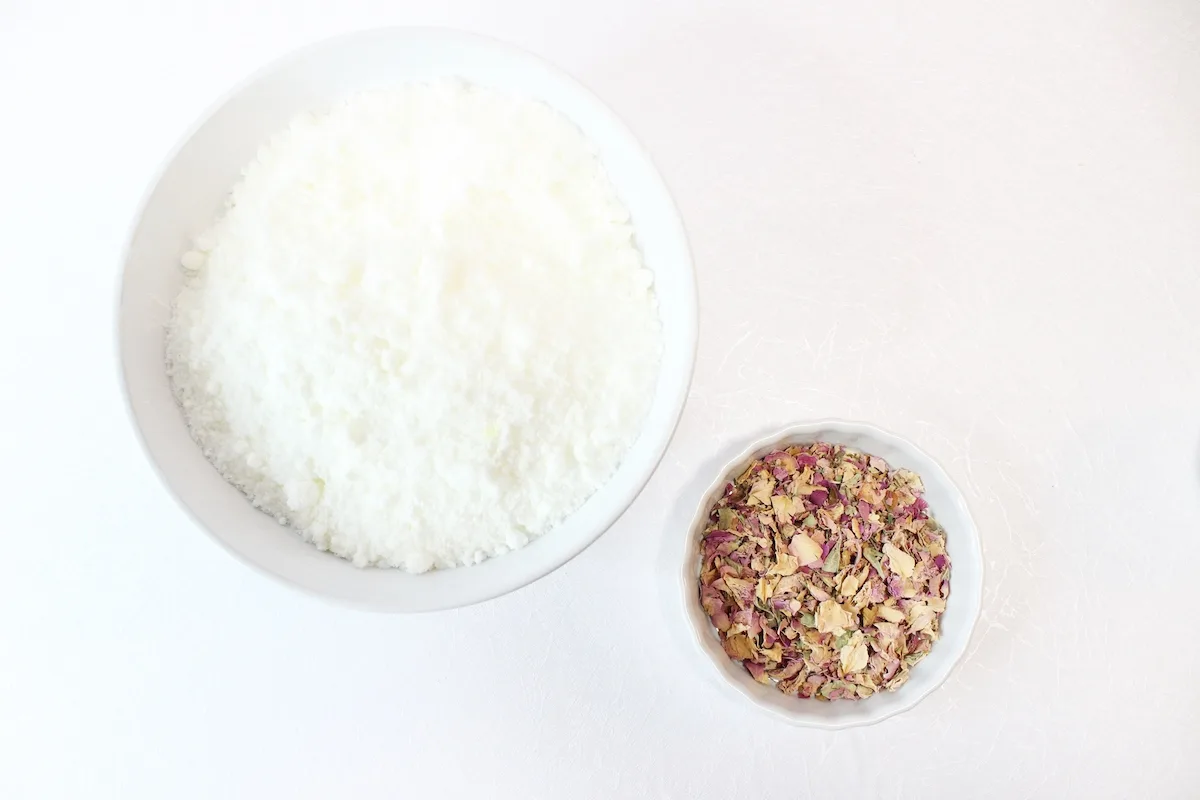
x=977, y=224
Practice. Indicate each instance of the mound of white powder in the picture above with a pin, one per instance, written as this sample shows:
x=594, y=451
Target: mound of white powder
x=421, y=333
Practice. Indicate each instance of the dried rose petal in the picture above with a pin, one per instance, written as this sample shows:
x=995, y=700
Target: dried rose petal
x=758, y=672
x=804, y=549
x=824, y=573
x=899, y=561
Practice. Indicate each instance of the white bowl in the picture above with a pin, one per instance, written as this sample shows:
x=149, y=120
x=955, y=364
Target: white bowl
x=946, y=503
x=185, y=199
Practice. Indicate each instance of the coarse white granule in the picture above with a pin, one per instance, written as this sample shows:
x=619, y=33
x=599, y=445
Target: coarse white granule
x=421, y=333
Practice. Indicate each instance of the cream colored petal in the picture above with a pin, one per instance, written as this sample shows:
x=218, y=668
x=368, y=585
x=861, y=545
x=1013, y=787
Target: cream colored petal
x=782, y=506
x=849, y=585
x=899, y=561
x=890, y=614
x=785, y=564
x=920, y=617
x=832, y=618
x=761, y=491
x=804, y=549
x=854, y=655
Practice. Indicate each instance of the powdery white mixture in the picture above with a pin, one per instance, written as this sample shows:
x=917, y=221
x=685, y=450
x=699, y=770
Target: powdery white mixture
x=421, y=333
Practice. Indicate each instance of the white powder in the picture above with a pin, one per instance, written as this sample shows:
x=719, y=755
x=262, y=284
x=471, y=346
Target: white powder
x=421, y=333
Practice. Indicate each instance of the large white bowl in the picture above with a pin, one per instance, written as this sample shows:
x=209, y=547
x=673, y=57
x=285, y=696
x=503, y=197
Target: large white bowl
x=185, y=199
x=947, y=505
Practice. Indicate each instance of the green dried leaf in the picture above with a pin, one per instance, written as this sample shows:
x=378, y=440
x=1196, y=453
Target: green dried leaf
x=876, y=559
x=833, y=560
x=726, y=518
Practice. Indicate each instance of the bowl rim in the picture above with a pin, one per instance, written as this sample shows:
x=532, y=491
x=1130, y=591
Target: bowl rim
x=700, y=626
x=689, y=327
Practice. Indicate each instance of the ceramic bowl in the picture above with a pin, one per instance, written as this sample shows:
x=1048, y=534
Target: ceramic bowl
x=946, y=503
x=189, y=193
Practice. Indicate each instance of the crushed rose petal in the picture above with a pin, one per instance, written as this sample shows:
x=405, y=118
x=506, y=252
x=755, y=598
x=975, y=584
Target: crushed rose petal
x=824, y=572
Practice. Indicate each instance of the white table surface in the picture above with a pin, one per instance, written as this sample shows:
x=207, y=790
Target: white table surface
x=977, y=224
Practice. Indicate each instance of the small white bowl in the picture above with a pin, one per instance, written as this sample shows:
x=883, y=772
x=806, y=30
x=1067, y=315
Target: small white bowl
x=189, y=193
x=947, y=505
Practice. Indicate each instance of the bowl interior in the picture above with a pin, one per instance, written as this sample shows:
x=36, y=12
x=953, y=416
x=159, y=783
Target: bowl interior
x=189, y=194
x=962, y=607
